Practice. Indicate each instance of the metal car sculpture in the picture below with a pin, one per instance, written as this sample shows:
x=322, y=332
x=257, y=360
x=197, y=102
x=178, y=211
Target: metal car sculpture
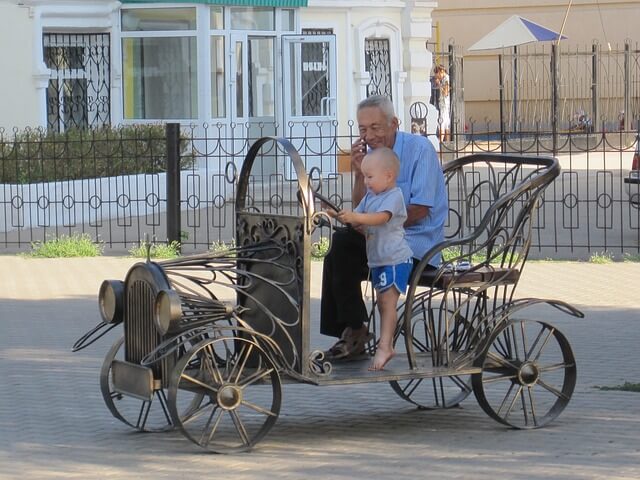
x=208, y=340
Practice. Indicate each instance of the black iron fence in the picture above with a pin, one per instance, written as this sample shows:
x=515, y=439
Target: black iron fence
x=581, y=89
x=552, y=87
x=180, y=184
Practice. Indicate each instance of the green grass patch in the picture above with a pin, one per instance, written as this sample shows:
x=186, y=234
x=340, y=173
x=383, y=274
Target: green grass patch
x=631, y=257
x=222, y=246
x=76, y=245
x=156, y=250
x=625, y=387
x=454, y=252
x=450, y=253
x=601, y=258
x=320, y=249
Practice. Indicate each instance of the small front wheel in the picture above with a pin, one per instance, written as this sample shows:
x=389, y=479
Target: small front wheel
x=149, y=415
x=240, y=389
x=528, y=374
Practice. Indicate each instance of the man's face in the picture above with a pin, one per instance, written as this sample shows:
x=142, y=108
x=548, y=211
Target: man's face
x=375, y=129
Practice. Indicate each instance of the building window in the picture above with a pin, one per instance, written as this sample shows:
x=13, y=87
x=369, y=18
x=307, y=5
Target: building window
x=253, y=18
x=160, y=63
x=218, y=84
x=315, y=74
x=288, y=20
x=378, y=63
x=216, y=15
x=261, y=76
x=78, y=93
x=217, y=62
x=164, y=48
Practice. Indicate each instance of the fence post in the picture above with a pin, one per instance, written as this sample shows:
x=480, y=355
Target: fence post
x=173, y=182
x=452, y=93
x=594, y=84
x=554, y=97
x=501, y=99
x=515, y=89
x=627, y=87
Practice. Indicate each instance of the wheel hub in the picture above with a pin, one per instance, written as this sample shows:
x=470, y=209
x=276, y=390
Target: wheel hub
x=229, y=397
x=528, y=373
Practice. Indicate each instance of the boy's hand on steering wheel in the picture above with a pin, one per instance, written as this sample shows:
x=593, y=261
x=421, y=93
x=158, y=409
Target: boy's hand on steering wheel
x=330, y=211
x=346, y=216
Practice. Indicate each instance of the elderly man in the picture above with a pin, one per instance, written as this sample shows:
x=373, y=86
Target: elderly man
x=343, y=312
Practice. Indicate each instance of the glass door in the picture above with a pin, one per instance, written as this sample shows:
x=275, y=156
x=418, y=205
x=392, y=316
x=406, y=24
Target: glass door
x=253, y=81
x=309, y=97
x=252, y=88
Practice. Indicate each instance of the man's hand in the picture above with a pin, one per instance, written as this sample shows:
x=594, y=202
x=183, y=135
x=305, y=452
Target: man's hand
x=415, y=213
x=358, y=151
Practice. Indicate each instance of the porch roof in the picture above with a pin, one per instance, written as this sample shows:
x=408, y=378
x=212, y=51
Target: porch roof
x=246, y=3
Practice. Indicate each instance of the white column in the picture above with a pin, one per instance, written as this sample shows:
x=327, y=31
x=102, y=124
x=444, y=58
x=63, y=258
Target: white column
x=417, y=60
x=362, y=79
x=41, y=73
x=117, y=94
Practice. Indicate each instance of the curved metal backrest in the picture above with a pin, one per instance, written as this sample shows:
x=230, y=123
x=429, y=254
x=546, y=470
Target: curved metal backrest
x=493, y=195
x=466, y=173
x=304, y=186
x=491, y=201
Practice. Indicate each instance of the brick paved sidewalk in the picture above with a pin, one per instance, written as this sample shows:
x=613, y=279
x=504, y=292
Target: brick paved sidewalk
x=54, y=424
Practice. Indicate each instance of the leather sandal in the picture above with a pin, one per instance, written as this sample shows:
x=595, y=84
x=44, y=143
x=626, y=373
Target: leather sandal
x=349, y=346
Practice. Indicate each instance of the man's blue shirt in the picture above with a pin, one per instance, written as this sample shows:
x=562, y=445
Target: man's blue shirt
x=422, y=183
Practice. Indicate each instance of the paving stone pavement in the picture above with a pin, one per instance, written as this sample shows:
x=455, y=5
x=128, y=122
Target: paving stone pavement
x=54, y=424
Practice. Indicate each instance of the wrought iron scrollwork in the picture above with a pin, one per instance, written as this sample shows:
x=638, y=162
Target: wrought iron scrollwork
x=318, y=365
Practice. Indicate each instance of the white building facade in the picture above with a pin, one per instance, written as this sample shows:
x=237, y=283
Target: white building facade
x=218, y=62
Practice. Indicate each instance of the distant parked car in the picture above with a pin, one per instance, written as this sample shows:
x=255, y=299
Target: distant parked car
x=632, y=182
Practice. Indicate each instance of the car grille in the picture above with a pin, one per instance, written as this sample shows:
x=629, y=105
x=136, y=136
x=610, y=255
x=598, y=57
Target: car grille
x=141, y=336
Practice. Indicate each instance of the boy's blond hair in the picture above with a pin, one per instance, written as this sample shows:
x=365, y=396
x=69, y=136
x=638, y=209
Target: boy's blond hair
x=387, y=158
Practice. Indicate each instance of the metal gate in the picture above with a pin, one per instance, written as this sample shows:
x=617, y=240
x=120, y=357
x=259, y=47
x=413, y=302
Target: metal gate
x=570, y=90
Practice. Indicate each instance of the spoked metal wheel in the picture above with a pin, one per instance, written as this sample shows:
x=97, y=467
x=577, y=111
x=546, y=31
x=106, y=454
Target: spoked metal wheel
x=241, y=389
x=143, y=415
x=429, y=337
x=528, y=374
x=434, y=393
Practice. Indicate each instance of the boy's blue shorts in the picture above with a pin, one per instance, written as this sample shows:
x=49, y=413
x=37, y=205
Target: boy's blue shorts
x=392, y=275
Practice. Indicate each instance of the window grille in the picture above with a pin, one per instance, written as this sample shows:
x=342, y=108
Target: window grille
x=377, y=61
x=315, y=72
x=78, y=93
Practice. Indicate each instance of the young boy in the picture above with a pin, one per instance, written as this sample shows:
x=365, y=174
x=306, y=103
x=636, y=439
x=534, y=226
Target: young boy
x=381, y=215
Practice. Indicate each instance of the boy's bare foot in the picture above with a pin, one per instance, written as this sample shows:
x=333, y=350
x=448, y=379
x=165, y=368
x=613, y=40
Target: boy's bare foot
x=382, y=357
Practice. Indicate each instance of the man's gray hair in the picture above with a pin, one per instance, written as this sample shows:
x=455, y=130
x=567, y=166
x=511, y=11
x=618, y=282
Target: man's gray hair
x=381, y=102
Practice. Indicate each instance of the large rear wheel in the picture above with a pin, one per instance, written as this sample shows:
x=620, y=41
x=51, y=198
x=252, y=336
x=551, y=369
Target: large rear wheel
x=528, y=374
